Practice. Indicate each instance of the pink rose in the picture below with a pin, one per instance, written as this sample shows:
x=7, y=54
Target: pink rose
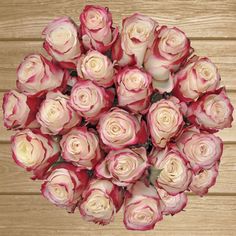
x=64, y=185
x=165, y=120
x=175, y=175
x=123, y=166
x=101, y=200
x=37, y=75
x=141, y=207
x=172, y=205
x=198, y=76
x=204, y=180
x=55, y=114
x=136, y=35
x=90, y=100
x=169, y=50
x=81, y=147
x=134, y=89
x=62, y=42
x=19, y=110
x=201, y=149
x=119, y=129
x=96, y=28
x=212, y=112
x=96, y=67
x=34, y=151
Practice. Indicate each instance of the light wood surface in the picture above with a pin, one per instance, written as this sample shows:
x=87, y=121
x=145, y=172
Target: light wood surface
x=211, y=24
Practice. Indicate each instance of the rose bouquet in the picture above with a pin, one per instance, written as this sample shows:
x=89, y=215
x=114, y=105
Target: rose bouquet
x=118, y=118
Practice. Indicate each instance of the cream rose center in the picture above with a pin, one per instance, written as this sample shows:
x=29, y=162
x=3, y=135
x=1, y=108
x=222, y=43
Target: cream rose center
x=94, y=20
x=59, y=192
x=134, y=81
x=97, y=204
x=124, y=165
x=60, y=36
x=24, y=151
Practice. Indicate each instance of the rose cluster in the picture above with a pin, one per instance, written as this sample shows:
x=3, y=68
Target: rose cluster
x=118, y=118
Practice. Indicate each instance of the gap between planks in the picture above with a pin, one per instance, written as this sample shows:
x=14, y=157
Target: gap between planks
x=220, y=194
x=191, y=38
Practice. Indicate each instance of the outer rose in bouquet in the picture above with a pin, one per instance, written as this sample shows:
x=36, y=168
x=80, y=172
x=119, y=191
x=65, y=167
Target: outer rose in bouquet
x=118, y=118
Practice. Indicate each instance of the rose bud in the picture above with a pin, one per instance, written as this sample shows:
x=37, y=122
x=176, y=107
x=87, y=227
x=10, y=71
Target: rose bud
x=64, y=185
x=55, y=114
x=165, y=120
x=136, y=35
x=141, y=207
x=37, y=75
x=198, y=76
x=96, y=28
x=81, y=147
x=96, y=67
x=90, y=100
x=119, y=129
x=134, y=89
x=175, y=173
x=123, y=167
x=201, y=149
x=19, y=110
x=101, y=200
x=212, y=112
x=34, y=151
x=169, y=50
x=172, y=205
x=204, y=180
x=62, y=42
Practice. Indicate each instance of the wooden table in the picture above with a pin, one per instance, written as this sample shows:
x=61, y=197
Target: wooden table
x=211, y=24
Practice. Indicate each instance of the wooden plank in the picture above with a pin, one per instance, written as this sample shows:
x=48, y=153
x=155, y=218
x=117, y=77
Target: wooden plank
x=13, y=179
x=223, y=53
x=228, y=134
x=205, y=19
x=32, y=215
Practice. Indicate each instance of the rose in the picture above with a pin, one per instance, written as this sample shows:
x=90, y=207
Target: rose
x=90, y=100
x=201, y=149
x=96, y=67
x=172, y=205
x=36, y=75
x=124, y=166
x=199, y=75
x=62, y=42
x=34, y=151
x=204, y=180
x=165, y=120
x=101, y=200
x=134, y=89
x=64, y=185
x=137, y=33
x=81, y=147
x=96, y=28
x=55, y=114
x=212, y=112
x=169, y=50
x=19, y=110
x=175, y=175
x=118, y=129
x=141, y=207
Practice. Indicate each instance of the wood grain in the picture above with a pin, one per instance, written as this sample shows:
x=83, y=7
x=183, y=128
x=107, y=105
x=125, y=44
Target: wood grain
x=13, y=179
x=198, y=18
x=211, y=24
x=32, y=215
x=223, y=53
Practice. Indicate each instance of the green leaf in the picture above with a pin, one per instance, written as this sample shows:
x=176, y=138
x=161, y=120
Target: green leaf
x=154, y=173
x=59, y=161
